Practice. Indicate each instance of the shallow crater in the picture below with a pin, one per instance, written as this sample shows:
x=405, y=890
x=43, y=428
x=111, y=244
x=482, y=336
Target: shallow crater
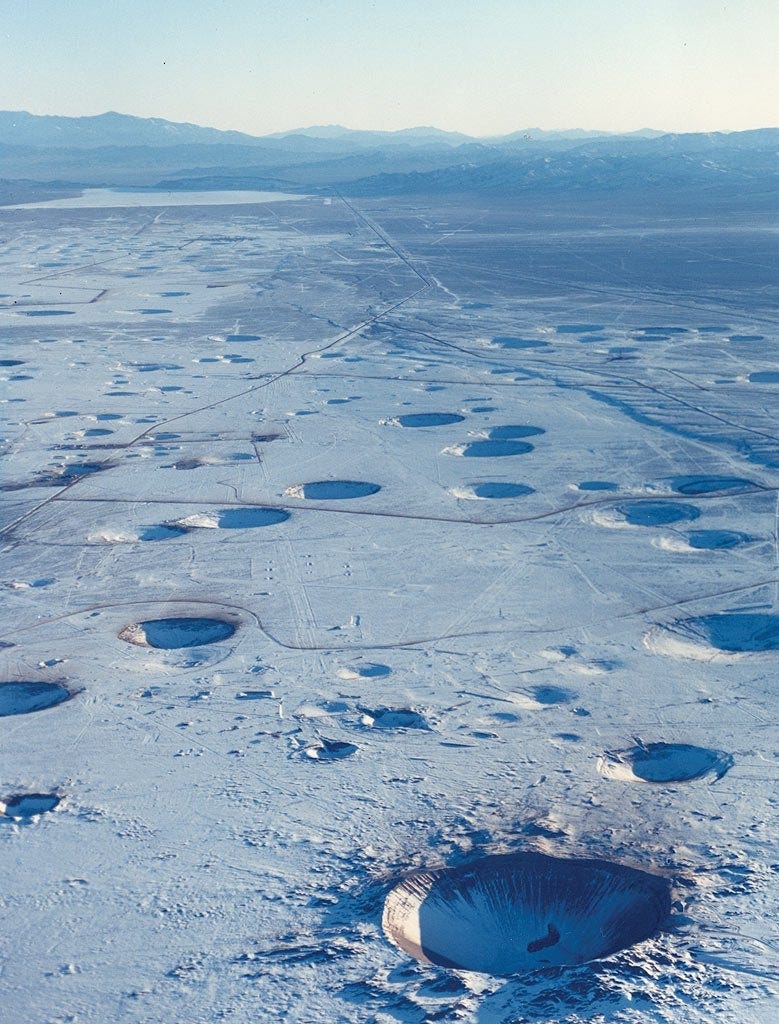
x=664, y=763
x=333, y=490
x=427, y=419
x=513, y=913
x=394, y=718
x=713, y=484
x=176, y=633
x=22, y=698
x=490, y=448
x=27, y=805
x=656, y=513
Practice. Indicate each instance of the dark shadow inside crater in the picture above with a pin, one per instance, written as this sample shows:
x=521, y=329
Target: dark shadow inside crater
x=429, y=419
x=514, y=430
x=177, y=633
x=249, y=518
x=21, y=698
x=657, y=513
x=499, y=489
x=736, y=632
x=513, y=913
x=162, y=531
x=26, y=805
x=335, y=490
x=496, y=449
x=673, y=762
x=698, y=484
x=715, y=540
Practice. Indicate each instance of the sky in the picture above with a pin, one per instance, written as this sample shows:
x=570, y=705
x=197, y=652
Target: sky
x=479, y=66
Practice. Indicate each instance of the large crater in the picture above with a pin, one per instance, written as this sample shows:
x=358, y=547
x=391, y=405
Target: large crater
x=513, y=913
x=21, y=698
x=176, y=633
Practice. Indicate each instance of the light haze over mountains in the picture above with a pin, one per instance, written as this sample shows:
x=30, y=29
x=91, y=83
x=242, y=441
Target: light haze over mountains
x=120, y=149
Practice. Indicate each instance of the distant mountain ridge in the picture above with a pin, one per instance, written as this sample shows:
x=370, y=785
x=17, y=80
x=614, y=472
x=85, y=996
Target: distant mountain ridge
x=20, y=128
x=121, y=150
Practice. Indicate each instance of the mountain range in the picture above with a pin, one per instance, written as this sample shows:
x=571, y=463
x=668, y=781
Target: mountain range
x=122, y=150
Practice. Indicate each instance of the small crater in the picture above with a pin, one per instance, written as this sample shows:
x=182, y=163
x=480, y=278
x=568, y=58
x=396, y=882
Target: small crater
x=578, y=328
x=497, y=489
x=161, y=531
x=333, y=490
x=597, y=485
x=329, y=750
x=513, y=913
x=716, y=540
x=656, y=513
x=176, y=633
x=513, y=430
x=737, y=631
x=22, y=698
x=490, y=449
x=428, y=419
x=727, y=633
x=519, y=343
x=370, y=670
x=548, y=695
x=710, y=484
x=664, y=763
x=250, y=518
x=27, y=805
x=394, y=718
x=48, y=312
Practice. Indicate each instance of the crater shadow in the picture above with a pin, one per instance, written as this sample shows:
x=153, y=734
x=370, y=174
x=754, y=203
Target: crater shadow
x=735, y=632
x=657, y=513
x=429, y=419
x=250, y=518
x=514, y=913
x=22, y=698
x=27, y=805
x=177, y=633
x=495, y=449
x=664, y=763
x=333, y=490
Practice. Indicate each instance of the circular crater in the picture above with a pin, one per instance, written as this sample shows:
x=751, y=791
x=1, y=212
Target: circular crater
x=329, y=750
x=735, y=632
x=162, y=531
x=597, y=485
x=250, y=518
x=491, y=448
x=513, y=913
x=657, y=513
x=27, y=805
x=333, y=490
x=499, y=489
x=578, y=328
x=664, y=763
x=429, y=419
x=21, y=698
x=710, y=484
x=509, y=431
x=176, y=633
x=369, y=670
x=715, y=540
x=395, y=718
x=548, y=695
x=505, y=341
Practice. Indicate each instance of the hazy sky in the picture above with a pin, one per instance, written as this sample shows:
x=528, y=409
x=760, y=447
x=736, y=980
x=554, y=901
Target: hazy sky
x=479, y=66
